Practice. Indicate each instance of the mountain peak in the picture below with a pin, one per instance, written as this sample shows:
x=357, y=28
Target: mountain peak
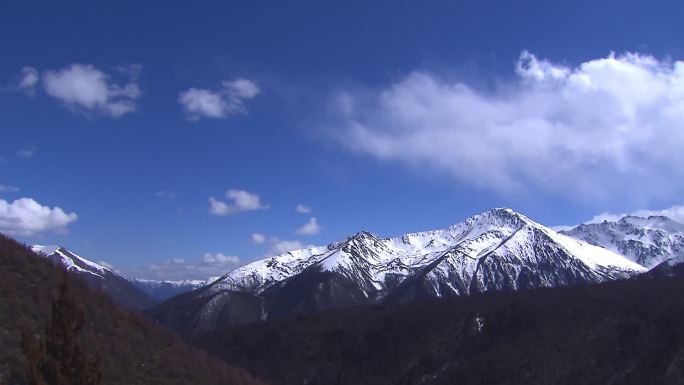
x=499, y=217
x=45, y=249
x=70, y=260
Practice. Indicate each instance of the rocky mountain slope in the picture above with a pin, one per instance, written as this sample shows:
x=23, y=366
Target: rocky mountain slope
x=98, y=276
x=646, y=241
x=497, y=250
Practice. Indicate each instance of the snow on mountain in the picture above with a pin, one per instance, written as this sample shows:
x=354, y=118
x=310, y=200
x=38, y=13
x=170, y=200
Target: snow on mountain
x=97, y=276
x=371, y=261
x=646, y=241
x=70, y=260
x=497, y=250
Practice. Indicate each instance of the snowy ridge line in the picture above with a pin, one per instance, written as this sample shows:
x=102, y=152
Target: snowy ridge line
x=71, y=261
x=368, y=258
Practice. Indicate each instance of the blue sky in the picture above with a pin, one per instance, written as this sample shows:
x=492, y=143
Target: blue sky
x=388, y=116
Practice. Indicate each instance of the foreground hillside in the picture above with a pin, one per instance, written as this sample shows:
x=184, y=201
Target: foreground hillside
x=625, y=332
x=131, y=349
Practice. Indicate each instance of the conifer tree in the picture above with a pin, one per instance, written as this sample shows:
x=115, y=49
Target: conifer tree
x=57, y=357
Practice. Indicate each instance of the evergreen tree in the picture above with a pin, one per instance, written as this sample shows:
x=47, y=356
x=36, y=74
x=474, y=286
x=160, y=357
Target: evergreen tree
x=57, y=359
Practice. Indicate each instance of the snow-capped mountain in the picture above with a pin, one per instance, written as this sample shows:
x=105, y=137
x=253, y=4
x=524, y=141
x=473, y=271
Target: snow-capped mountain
x=98, y=276
x=496, y=250
x=646, y=241
x=163, y=290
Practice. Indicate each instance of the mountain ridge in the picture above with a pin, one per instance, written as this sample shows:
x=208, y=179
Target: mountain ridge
x=497, y=250
x=98, y=276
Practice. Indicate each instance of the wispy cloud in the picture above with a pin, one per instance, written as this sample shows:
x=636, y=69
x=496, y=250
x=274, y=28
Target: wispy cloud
x=229, y=99
x=277, y=245
x=258, y=238
x=28, y=152
x=26, y=82
x=29, y=80
x=607, y=126
x=302, y=209
x=241, y=201
x=166, y=194
x=206, y=266
x=8, y=188
x=280, y=246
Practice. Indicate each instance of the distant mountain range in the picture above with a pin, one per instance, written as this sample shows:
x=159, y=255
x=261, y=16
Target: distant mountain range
x=498, y=250
x=163, y=290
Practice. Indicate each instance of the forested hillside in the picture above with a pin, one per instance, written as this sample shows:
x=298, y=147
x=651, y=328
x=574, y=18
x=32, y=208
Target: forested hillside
x=130, y=349
x=627, y=332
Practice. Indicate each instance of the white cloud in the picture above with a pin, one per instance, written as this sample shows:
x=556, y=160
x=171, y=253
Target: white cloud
x=279, y=246
x=240, y=88
x=311, y=227
x=228, y=100
x=219, y=259
x=166, y=194
x=258, y=238
x=241, y=201
x=29, y=80
x=609, y=126
x=675, y=213
x=25, y=217
x=303, y=209
x=283, y=246
x=106, y=264
x=207, y=265
x=82, y=87
x=110, y=267
x=8, y=188
x=28, y=152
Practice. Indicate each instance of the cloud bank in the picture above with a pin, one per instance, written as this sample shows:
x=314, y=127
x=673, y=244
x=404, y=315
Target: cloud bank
x=25, y=217
x=8, y=188
x=613, y=125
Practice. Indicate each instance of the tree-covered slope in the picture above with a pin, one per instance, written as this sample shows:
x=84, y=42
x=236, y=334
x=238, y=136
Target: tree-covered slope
x=625, y=332
x=131, y=349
